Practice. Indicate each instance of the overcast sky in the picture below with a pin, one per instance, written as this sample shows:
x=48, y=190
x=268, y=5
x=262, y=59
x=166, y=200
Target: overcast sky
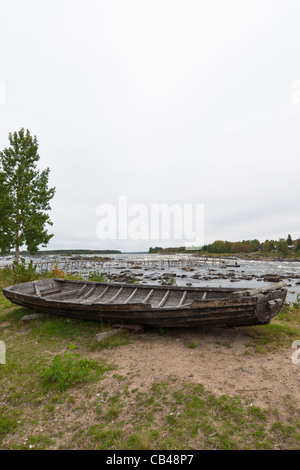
x=175, y=102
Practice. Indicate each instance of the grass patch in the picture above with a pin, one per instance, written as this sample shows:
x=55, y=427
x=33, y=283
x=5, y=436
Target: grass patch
x=69, y=369
x=8, y=424
x=290, y=312
x=37, y=442
x=103, y=439
x=223, y=343
x=266, y=338
x=5, y=303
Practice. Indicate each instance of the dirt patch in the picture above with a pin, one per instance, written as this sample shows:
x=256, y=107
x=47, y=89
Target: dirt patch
x=217, y=358
x=141, y=396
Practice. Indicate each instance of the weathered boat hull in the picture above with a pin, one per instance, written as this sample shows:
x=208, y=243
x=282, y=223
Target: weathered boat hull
x=152, y=306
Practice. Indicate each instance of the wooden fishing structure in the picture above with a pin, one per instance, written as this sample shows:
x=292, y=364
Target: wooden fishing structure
x=89, y=264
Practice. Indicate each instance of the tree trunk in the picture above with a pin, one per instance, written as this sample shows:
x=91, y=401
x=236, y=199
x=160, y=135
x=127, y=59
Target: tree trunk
x=17, y=237
x=17, y=252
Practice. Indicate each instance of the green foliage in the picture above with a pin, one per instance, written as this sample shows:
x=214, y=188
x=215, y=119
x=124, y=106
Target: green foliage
x=132, y=280
x=6, y=276
x=24, y=196
x=68, y=369
x=7, y=425
x=23, y=273
x=272, y=245
x=250, y=246
x=171, y=281
x=158, y=249
x=271, y=337
x=37, y=442
x=290, y=311
x=268, y=246
x=20, y=272
x=6, y=208
x=282, y=247
x=245, y=246
x=97, y=277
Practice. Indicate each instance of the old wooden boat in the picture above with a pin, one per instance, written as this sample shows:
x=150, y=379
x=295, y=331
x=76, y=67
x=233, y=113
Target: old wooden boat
x=149, y=305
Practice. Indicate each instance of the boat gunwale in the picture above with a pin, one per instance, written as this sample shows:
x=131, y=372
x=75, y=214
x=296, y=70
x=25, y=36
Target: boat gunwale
x=196, y=303
x=228, y=302
x=130, y=286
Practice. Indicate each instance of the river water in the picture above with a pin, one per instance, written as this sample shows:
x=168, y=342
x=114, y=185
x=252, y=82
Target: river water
x=185, y=269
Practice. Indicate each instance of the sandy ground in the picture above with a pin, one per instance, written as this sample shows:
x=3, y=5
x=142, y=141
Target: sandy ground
x=268, y=380
x=218, y=362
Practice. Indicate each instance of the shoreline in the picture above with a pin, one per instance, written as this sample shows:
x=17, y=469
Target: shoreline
x=248, y=256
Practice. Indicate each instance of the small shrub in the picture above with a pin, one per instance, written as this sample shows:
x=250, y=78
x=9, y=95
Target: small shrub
x=290, y=312
x=132, y=280
x=57, y=273
x=143, y=440
x=113, y=411
x=6, y=275
x=97, y=277
x=23, y=273
x=161, y=331
x=172, y=281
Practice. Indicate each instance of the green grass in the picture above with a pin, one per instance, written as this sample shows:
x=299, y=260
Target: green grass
x=271, y=337
x=290, y=312
x=69, y=369
x=8, y=424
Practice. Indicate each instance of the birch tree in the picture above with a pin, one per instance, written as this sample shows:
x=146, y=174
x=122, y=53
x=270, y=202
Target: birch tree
x=24, y=195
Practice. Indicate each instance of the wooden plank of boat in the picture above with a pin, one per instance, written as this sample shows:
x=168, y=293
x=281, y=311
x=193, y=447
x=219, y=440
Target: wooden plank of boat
x=130, y=296
x=87, y=294
x=259, y=290
x=112, y=299
x=147, y=298
x=150, y=305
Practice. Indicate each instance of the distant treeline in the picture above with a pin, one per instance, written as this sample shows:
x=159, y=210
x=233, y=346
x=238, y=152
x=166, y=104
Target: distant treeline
x=282, y=246
x=73, y=252
x=158, y=249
